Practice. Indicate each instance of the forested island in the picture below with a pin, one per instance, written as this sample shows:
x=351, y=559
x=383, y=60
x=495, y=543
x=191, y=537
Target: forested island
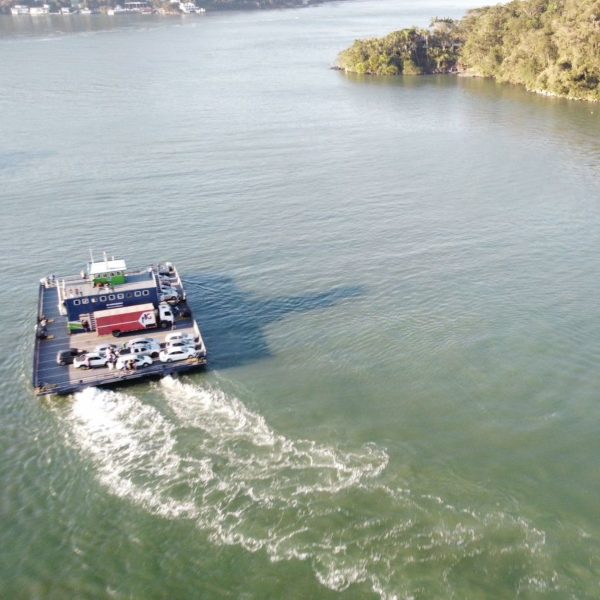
x=549, y=46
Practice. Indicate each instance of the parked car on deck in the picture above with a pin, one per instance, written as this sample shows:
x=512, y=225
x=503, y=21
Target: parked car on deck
x=146, y=341
x=166, y=269
x=168, y=295
x=180, y=344
x=174, y=354
x=105, y=349
x=66, y=357
x=139, y=360
x=166, y=281
x=139, y=350
x=143, y=346
x=90, y=360
x=179, y=336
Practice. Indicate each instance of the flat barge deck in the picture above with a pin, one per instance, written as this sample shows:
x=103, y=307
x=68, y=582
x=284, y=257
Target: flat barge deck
x=58, y=330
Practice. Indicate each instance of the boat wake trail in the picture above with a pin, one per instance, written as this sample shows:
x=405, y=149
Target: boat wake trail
x=133, y=449
x=206, y=457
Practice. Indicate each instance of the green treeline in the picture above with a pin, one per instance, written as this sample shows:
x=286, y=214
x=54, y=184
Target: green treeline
x=549, y=46
x=409, y=51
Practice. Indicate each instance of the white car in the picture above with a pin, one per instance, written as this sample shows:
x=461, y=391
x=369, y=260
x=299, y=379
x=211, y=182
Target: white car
x=145, y=341
x=180, y=344
x=143, y=346
x=104, y=349
x=139, y=350
x=90, y=360
x=173, y=354
x=139, y=360
x=179, y=336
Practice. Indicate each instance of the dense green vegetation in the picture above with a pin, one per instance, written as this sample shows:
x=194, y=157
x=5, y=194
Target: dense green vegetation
x=550, y=46
x=409, y=51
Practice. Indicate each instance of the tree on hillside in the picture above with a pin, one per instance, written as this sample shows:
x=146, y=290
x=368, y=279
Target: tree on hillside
x=549, y=46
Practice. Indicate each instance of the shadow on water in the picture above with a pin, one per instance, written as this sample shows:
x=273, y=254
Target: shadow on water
x=408, y=82
x=233, y=320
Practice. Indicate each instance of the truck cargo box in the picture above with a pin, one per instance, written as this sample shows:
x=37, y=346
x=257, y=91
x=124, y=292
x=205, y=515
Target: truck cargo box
x=127, y=318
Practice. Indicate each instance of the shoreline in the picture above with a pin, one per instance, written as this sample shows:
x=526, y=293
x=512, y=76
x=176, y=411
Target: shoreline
x=467, y=74
x=168, y=12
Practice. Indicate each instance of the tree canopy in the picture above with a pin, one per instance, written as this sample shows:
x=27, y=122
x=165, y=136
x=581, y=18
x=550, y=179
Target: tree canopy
x=409, y=51
x=550, y=46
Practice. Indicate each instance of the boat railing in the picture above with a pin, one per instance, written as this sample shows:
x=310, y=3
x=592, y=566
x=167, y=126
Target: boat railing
x=36, y=343
x=198, y=335
x=177, y=278
x=85, y=278
x=116, y=376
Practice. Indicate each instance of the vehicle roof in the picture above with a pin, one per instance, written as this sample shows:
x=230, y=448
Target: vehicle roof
x=104, y=266
x=111, y=312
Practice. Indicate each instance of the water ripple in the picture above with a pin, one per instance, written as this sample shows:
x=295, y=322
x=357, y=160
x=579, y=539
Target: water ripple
x=246, y=485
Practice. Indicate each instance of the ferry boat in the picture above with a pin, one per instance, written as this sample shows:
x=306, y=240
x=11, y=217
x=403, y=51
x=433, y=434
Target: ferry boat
x=19, y=9
x=134, y=6
x=111, y=324
x=36, y=11
x=187, y=7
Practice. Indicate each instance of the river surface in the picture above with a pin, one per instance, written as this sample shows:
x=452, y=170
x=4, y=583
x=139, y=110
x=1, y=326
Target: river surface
x=398, y=284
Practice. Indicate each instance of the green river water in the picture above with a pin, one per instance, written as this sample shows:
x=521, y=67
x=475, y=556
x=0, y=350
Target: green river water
x=398, y=285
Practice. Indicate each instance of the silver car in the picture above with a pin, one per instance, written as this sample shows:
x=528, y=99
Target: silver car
x=90, y=360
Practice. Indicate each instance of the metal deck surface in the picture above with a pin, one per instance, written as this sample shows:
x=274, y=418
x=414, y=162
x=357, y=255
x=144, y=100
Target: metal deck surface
x=51, y=378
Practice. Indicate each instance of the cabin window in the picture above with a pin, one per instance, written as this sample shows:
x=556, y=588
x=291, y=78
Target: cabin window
x=128, y=295
x=137, y=294
x=76, y=302
x=93, y=300
x=84, y=301
x=111, y=297
x=120, y=296
x=146, y=293
x=102, y=298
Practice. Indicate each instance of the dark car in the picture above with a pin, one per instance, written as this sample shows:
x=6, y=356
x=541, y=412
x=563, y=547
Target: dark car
x=65, y=357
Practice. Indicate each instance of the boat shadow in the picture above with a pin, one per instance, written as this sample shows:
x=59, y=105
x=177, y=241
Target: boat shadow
x=233, y=321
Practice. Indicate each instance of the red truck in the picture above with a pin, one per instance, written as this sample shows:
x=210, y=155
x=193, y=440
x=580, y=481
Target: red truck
x=132, y=318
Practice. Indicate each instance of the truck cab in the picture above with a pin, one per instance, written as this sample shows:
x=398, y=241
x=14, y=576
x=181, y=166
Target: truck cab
x=166, y=318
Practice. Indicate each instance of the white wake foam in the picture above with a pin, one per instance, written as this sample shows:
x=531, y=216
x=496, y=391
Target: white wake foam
x=213, y=460
x=245, y=439
x=133, y=450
